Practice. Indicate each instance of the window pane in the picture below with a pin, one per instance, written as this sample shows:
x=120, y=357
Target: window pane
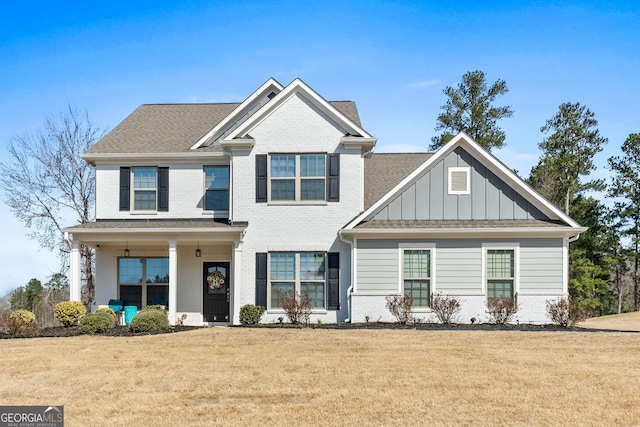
x=500, y=263
x=158, y=270
x=283, y=189
x=315, y=292
x=312, y=266
x=216, y=177
x=417, y=264
x=278, y=289
x=283, y=267
x=131, y=295
x=144, y=201
x=419, y=291
x=216, y=200
x=283, y=166
x=500, y=289
x=144, y=178
x=312, y=189
x=130, y=270
x=158, y=295
x=312, y=165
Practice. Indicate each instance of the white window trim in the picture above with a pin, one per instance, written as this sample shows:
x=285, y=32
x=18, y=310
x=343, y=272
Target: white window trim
x=417, y=246
x=297, y=180
x=215, y=213
x=133, y=210
x=297, y=280
x=467, y=171
x=516, y=267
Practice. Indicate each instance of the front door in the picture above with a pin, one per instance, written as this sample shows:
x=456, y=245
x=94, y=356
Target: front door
x=215, y=306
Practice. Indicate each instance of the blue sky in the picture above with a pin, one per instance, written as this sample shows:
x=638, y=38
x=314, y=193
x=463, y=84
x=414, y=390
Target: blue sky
x=392, y=58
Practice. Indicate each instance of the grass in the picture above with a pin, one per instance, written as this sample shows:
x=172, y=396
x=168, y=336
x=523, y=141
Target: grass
x=240, y=376
x=620, y=322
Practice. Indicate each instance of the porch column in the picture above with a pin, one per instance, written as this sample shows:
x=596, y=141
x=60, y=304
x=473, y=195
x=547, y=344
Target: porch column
x=75, y=272
x=237, y=279
x=173, y=281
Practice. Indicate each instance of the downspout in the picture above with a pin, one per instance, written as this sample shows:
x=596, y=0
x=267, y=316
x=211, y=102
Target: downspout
x=350, y=288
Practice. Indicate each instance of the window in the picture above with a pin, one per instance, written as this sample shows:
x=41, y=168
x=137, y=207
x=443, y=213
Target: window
x=144, y=189
x=298, y=177
x=216, y=184
x=459, y=180
x=500, y=273
x=417, y=275
x=301, y=273
x=144, y=280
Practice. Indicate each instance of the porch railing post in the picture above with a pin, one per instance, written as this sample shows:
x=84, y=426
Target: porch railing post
x=173, y=281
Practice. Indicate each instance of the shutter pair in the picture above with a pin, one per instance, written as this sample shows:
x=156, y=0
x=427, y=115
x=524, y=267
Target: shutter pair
x=162, y=190
x=333, y=178
x=333, y=280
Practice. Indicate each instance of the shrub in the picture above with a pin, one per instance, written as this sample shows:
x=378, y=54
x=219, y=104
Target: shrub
x=298, y=308
x=149, y=321
x=251, y=314
x=501, y=310
x=69, y=312
x=445, y=307
x=108, y=311
x=401, y=307
x=95, y=323
x=564, y=312
x=156, y=307
x=20, y=321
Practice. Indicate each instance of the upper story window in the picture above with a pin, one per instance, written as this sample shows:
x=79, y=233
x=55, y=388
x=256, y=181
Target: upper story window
x=298, y=177
x=216, y=184
x=145, y=187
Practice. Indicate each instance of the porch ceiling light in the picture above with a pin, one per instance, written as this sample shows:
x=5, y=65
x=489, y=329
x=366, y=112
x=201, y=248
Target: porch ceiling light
x=126, y=250
x=198, y=251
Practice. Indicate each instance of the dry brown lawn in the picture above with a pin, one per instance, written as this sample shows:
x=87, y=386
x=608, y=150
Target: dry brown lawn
x=292, y=377
x=620, y=322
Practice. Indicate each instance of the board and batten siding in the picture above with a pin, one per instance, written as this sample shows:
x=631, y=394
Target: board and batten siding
x=427, y=198
x=458, y=265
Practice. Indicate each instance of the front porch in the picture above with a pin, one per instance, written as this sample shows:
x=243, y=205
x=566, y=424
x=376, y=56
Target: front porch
x=189, y=266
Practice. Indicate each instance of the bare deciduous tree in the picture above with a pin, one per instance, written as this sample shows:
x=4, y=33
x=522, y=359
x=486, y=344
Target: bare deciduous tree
x=48, y=186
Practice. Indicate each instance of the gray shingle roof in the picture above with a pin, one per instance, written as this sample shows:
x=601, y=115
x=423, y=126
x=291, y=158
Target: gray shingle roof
x=382, y=172
x=174, y=128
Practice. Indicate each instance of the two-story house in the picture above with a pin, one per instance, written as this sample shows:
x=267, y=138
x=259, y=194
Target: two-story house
x=207, y=207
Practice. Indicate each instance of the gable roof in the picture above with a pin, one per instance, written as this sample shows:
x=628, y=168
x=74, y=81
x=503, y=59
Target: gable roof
x=491, y=162
x=384, y=171
x=175, y=128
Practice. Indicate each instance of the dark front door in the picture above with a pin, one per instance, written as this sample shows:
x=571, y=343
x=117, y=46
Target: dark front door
x=216, y=291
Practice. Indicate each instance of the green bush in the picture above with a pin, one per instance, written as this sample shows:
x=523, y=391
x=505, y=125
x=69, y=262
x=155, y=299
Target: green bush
x=96, y=323
x=156, y=307
x=69, y=312
x=108, y=311
x=251, y=314
x=149, y=321
x=20, y=321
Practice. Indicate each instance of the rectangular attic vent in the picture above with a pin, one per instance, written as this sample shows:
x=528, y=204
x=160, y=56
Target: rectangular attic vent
x=459, y=180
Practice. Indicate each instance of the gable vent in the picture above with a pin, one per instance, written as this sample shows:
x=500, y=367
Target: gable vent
x=459, y=180
x=271, y=95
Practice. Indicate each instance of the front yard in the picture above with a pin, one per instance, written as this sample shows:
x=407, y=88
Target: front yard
x=287, y=376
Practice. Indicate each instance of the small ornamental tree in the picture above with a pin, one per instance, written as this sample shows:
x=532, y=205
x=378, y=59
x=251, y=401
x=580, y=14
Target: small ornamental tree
x=501, y=310
x=298, y=307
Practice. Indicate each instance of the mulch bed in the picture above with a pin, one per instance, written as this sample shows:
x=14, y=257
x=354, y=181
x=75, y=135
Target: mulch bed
x=72, y=331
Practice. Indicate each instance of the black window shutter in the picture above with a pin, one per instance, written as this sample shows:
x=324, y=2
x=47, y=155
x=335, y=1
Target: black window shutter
x=333, y=178
x=163, y=189
x=333, y=280
x=261, y=279
x=261, y=178
x=125, y=189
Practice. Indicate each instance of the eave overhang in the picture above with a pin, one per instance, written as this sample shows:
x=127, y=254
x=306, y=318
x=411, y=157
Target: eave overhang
x=92, y=159
x=354, y=142
x=459, y=233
